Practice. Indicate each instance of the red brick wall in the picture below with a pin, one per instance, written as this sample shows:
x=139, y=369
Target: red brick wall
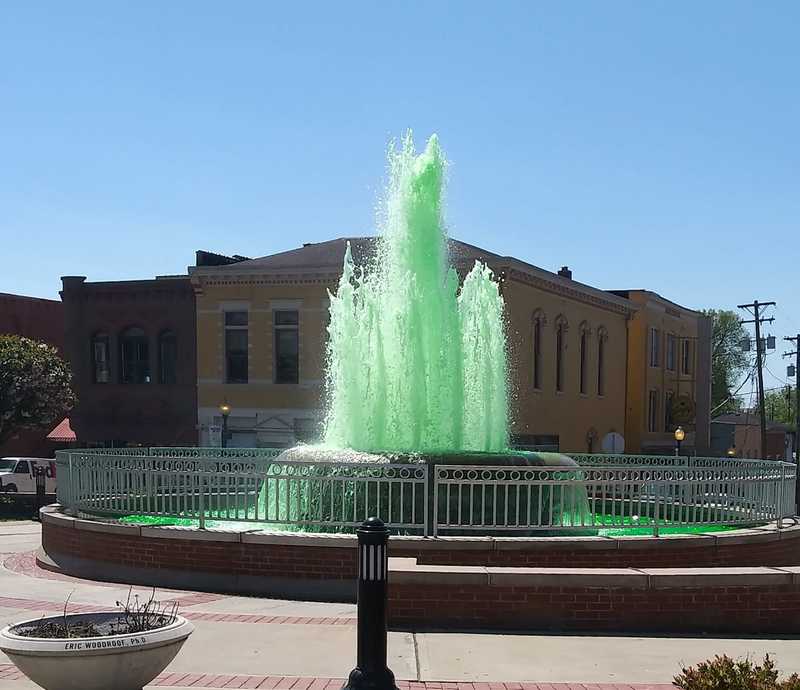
x=761, y=610
x=203, y=556
x=747, y=609
x=339, y=562
x=775, y=552
x=40, y=319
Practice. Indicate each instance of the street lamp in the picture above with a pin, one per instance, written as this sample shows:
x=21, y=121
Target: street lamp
x=225, y=409
x=732, y=452
x=680, y=434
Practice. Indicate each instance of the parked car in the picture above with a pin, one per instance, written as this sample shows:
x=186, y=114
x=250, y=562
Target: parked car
x=17, y=475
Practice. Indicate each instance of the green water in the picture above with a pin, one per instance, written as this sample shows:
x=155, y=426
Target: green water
x=415, y=363
x=617, y=526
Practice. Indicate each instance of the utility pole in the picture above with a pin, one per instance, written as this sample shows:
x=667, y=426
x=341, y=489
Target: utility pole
x=796, y=353
x=757, y=320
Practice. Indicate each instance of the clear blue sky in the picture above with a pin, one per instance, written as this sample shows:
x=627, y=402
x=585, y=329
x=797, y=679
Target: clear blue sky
x=644, y=144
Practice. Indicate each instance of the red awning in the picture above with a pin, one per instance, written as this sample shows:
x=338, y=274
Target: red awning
x=63, y=433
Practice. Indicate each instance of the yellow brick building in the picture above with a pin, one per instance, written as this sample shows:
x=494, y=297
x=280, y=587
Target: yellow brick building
x=261, y=341
x=669, y=374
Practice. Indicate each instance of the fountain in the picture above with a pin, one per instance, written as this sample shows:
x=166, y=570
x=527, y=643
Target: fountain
x=416, y=366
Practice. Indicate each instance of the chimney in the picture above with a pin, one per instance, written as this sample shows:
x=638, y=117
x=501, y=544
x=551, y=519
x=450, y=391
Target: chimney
x=565, y=272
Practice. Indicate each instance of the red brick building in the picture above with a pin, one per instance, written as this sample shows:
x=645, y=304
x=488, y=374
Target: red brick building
x=40, y=319
x=131, y=345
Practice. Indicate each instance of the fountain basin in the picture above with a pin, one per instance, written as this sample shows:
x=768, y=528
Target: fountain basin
x=323, y=566
x=492, y=495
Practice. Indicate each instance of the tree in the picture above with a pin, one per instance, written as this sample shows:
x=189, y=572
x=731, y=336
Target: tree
x=780, y=406
x=35, y=386
x=728, y=360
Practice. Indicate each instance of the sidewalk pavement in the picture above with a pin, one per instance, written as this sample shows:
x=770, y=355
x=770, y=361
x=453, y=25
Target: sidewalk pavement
x=248, y=642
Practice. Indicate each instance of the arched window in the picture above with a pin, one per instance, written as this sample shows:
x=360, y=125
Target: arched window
x=539, y=322
x=134, y=356
x=101, y=360
x=167, y=357
x=584, y=357
x=602, y=337
x=561, y=343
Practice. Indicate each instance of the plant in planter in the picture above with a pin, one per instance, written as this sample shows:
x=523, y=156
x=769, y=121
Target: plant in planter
x=107, y=650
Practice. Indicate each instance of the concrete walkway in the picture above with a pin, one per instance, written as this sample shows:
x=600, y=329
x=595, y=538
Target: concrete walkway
x=282, y=645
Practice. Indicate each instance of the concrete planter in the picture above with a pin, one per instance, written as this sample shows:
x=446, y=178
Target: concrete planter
x=110, y=662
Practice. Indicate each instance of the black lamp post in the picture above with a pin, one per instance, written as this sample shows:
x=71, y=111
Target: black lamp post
x=680, y=434
x=225, y=409
x=371, y=671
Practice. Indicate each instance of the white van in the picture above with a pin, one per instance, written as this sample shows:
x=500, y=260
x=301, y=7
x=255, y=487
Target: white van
x=17, y=475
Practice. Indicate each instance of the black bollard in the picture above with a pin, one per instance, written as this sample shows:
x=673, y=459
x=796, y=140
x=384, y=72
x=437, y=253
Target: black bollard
x=371, y=671
x=41, y=478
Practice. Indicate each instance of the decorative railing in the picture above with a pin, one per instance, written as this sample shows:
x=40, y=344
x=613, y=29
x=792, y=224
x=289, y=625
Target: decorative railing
x=244, y=486
x=212, y=486
x=513, y=500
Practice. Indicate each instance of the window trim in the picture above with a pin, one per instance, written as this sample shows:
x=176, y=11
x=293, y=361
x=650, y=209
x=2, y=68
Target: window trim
x=583, y=359
x=669, y=397
x=276, y=330
x=652, y=410
x=162, y=337
x=536, y=350
x=654, y=354
x=602, y=338
x=124, y=340
x=97, y=338
x=561, y=335
x=235, y=327
x=686, y=356
x=671, y=339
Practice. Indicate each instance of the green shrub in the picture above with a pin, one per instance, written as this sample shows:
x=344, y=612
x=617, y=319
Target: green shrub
x=724, y=673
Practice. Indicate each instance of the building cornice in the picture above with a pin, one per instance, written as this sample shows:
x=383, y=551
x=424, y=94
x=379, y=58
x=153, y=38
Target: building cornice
x=329, y=278
x=574, y=291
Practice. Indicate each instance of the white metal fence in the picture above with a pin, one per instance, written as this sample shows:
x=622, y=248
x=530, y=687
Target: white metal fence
x=211, y=486
x=491, y=500
x=243, y=486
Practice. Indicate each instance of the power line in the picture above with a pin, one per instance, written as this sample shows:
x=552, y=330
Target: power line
x=757, y=319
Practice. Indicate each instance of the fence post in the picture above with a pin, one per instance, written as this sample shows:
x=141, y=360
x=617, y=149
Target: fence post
x=780, y=497
x=656, y=512
x=202, y=507
x=70, y=485
x=371, y=671
x=431, y=498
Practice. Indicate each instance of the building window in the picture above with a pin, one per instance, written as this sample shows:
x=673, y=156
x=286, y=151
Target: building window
x=655, y=347
x=668, y=398
x=561, y=331
x=671, y=351
x=287, y=346
x=134, y=356
x=583, y=360
x=652, y=411
x=537, y=352
x=602, y=336
x=236, y=325
x=101, y=365
x=167, y=357
x=686, y=356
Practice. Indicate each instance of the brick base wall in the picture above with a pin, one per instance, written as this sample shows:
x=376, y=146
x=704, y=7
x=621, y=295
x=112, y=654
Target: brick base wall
x=658, y=554
x=739, y=610
x=226, y=558
x=339, y=562
x=629, y=600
